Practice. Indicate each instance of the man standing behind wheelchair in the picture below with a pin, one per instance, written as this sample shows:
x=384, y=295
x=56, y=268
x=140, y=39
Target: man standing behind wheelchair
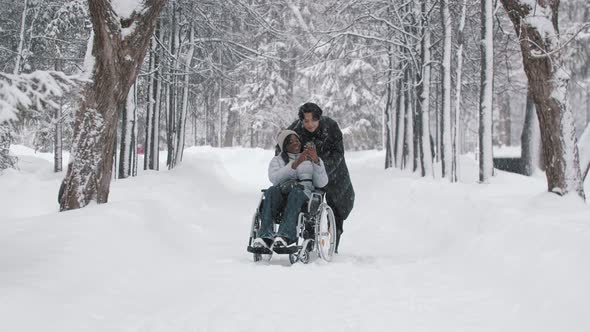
x=294, y=173
x=327, y=137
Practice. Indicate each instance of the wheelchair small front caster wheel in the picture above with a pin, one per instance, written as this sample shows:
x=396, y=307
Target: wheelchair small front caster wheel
x=293, y=258
x=304, y=257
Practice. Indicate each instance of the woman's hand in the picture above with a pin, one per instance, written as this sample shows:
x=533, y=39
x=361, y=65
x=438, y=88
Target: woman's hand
x=302, y=157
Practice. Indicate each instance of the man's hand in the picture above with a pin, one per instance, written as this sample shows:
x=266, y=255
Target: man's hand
x=302, y=157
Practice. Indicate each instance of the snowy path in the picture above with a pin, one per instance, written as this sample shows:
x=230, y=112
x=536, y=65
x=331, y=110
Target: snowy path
x=168, y=254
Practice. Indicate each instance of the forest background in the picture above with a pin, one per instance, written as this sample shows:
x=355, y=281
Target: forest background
x=233, y=73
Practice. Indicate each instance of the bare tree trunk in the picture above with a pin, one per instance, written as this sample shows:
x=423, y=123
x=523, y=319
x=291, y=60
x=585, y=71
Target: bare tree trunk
x=424, y=98
x=219, y=105
x=548, y=87
x=116, y=60
x=438, y=121
x=252, y=135
x=412, y=134
x=195, y=138
x=504, y=122
x=172, y=122
x=409, y=125
x=154, y=162
x=231, y=127
x=417, y=131
x=125, y=151
x=486, y=162
x=388, y=116
x=134, y=132
x=455, y=167
x=183, y=115
x=58, y=132
x=399, y=125
x=57, y=140
x=147, y=154
x=207, y=124
x=21, y=40
x=446, y=89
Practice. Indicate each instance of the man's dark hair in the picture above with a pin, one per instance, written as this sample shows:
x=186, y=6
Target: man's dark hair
x=312, y=108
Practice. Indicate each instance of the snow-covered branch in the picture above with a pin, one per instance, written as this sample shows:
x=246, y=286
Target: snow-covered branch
x=31, y=91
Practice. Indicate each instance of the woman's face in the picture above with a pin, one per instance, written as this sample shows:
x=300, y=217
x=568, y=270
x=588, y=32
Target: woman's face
x=309, y=123
x=293, y=144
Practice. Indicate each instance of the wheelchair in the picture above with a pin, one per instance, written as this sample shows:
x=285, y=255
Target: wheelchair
x=316, y=232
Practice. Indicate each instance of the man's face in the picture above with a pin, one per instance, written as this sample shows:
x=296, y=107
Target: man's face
x=309, y=123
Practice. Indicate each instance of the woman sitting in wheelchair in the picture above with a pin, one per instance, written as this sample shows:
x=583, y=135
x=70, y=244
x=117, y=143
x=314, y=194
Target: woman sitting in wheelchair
x=294, y=173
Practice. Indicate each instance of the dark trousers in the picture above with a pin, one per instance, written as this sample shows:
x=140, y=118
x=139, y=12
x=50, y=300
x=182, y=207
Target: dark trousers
x=274, y=202
x=339, y=228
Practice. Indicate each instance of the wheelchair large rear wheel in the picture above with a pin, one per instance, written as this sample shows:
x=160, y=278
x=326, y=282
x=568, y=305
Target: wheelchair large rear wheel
x=326, y=234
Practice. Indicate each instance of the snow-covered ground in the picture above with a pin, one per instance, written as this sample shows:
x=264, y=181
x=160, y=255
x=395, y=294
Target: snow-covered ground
x=167, y=253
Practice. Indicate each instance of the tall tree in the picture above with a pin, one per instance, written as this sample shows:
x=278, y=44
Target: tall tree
x=445, y=124
x=118, y=48
x=536, y=24
x=128, y=149
x=486, y=164
x=21, y=39
x=458, y=89
x=388, y=113
x=187, y=58
x=154, y=94
x=424, y=105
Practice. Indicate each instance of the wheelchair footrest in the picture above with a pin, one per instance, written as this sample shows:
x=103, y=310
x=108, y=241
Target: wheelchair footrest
x=259, y=250
x=286, y=250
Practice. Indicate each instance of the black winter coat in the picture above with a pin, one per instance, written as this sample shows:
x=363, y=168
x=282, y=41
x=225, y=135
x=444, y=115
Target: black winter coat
x=328, y=141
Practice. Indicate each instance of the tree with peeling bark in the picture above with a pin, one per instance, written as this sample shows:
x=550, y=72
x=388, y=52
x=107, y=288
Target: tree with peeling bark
x=536, y=24
x=119, y=44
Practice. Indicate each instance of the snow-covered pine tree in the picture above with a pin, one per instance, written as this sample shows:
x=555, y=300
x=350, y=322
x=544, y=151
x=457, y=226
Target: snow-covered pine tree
x=27, y=93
